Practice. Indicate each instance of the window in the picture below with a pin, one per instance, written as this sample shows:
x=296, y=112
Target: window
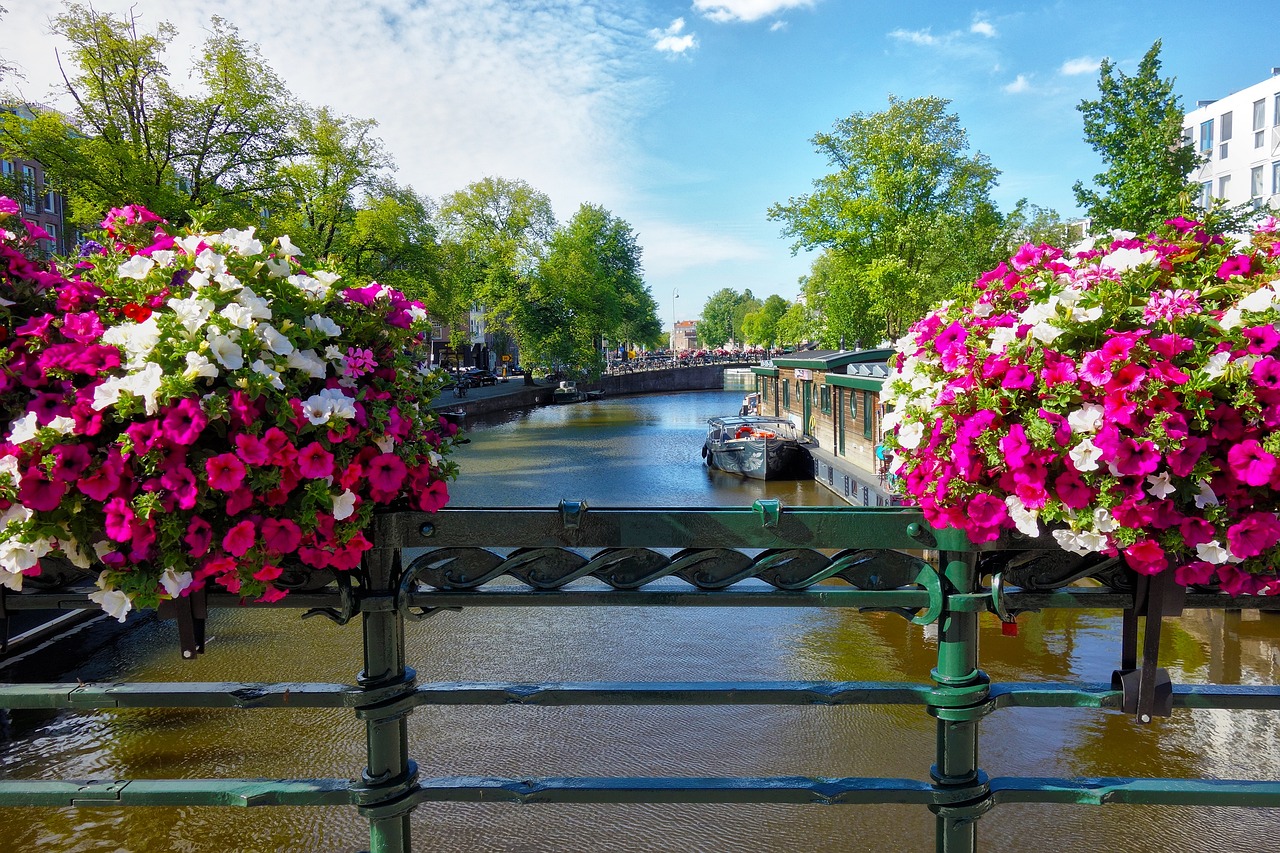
x=1259, y=121
x=1206, y=195
x=1275, y=112
x=50, y=203
x=866, y=414
x=1224, y=186
x=853, y=401
x=53, y=237
x=786, y=393
x=29, y=188
x=6, y=167
x=1206, y=136
x=1275, y=178
x=1255, y=185
x=1224, y=132
x=824, y=399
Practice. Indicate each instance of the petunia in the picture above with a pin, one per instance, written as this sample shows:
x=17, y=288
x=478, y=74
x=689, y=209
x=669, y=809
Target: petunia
x=314, y=462
x=198, y=537
x=1250, y=463
x=239, y=539
x=224, y=472
x=281, y=535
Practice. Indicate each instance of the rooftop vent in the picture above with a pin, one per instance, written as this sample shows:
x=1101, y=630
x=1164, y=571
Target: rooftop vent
x=1204, y=103
x=1275, y=70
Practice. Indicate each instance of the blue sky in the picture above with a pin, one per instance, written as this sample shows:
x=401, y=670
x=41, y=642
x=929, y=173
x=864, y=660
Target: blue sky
x=688, y=119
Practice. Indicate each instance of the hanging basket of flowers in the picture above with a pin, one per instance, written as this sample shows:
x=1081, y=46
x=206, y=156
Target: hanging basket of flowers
x=186, y=408
x=1122, y=397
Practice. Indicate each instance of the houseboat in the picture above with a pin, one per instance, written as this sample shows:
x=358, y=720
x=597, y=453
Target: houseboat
x=761, y=448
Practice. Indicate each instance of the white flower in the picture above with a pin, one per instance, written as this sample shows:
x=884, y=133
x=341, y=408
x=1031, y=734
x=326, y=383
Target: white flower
x=163, y=257
x=1085, y=455
x=1127, y=259
x=198, y=281
x=1025, y=519
x=308, y=362
x=386, y=443
x=418, y=314
x=1087, y=418
x=911, y=435
x=259, y=308
x=238, y=315
x=17, y=556
x=344, y=505
x=1260, y=300
x=1216, y=364
x=315, y=290
x=335, y=355
x=74, y=553
x=325, y=277
x=1231, y=318
x=174, y=583
x=1086, y=315
x=136, y=267
x=189, y=244
x=286, y=246
x=1001, y=337
x=982, y=309
x=1045, y=333
x=1160, y=487
x=136, y=339
x=146, y=384
x=1206, y=497
x=62, y=425
x=1213, y=552
x=1103, y=520
x=273, y=340
x=227, y=352
x=277, y=268
x=9, y=465
x=197, y=367
x=1082, y=542
x=211, y=263
x=113, y=601
x=23, y=428
x=435, y=458
x=263, y=369
x=324, y=325
x=243, y=242
x=192, y=312
x=227, y=283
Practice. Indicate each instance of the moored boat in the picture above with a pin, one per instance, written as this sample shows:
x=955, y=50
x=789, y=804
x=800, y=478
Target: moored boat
x=762, y=448
x=567, y=393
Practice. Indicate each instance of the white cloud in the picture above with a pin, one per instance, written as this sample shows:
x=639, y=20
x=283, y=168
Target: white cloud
x=920, y=37
x=724, y=11
x=671, y=248
x=777, y=26
x=1019, y=84
x=670, y=40
x=983, y=28
x=1080, y=65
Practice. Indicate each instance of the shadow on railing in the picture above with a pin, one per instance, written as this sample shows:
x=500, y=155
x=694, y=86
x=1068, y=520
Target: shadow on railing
x=863, y=559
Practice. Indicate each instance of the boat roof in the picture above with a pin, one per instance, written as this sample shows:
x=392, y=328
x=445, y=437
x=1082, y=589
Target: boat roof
x=738, y=420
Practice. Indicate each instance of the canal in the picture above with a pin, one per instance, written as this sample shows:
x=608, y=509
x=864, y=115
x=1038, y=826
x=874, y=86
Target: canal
x=644, y=451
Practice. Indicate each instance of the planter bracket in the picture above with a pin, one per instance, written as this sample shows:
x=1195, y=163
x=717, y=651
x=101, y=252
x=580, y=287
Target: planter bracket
x=1147, y=690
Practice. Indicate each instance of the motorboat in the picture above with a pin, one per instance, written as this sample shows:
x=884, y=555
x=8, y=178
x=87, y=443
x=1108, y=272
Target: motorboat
x=568, y=392
x=759, y=447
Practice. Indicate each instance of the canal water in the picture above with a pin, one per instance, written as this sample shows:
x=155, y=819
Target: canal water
x=644, y=451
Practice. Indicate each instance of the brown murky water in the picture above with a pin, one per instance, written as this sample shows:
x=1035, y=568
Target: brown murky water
x=644, y=451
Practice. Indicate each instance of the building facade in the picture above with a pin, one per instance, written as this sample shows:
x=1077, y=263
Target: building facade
x=686, y=335
x=1238, y=139
x=834, y=397
x=40, y=204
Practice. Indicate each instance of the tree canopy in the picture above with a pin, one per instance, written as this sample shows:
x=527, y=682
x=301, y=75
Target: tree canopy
x=1135, y=125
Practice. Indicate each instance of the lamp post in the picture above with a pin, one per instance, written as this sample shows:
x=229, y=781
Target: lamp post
x=674, y=297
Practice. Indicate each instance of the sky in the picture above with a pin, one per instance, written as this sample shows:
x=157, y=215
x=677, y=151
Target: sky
x=688, y=119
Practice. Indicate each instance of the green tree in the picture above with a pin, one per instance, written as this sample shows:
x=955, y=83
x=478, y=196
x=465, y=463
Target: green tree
x=722, y=316
x=761, y=325
x=1135, y=125
x=133, y=138
x=906, y=206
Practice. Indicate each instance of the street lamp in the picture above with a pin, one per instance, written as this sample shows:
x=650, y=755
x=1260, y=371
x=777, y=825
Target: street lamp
x=674, y=297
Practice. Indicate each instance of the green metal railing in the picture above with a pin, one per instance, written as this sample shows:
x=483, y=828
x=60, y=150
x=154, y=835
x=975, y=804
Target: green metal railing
x=762, y=556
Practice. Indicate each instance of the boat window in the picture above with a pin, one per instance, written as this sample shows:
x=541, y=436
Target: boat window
x=824, y=397
x=786, y=394
x=853, y=404
x=866, y=414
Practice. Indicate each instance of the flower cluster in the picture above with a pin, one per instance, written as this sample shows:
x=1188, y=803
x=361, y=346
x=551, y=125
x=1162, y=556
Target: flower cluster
x=181, y=407
x=1124, y=395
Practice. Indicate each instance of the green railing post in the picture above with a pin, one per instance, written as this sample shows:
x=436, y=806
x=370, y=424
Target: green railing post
x=389, y=774
x=961, y=690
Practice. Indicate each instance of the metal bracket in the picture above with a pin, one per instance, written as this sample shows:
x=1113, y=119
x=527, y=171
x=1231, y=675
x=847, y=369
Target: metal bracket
x=191, y=611
x=1147, y=691
x=769, y=511
x=345, y=595
x=4, y=623
x=571, y=513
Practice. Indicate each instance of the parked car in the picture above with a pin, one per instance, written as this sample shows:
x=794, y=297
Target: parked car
x=479, y=376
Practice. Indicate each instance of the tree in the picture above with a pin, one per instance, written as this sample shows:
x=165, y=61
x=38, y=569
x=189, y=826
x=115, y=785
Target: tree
x=906, y=212
x=133, y=138
x=722, y=316
x=1135, y=125
x=761, y=325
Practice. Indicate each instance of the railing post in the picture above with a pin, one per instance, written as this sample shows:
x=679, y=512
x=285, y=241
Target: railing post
x=389, y=774
x=958, y=699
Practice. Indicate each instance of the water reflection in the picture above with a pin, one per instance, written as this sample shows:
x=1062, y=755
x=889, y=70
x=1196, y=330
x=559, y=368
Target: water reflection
x=645, y=451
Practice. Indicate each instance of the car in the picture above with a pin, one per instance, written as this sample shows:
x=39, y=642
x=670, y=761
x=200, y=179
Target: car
x=479, y=376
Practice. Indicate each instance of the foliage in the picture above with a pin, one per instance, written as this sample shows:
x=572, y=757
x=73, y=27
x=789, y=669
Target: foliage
x=189, y=405
x=760, y=326
x=905, y=203
x=1127, y=396
x=722, y=317
x=1135, y=125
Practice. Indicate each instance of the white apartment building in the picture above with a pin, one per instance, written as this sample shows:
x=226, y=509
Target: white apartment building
x=1238, y=139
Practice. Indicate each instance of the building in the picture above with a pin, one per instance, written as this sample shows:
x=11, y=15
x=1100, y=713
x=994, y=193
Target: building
x=1238, y=139
x=834, y=397
x=686, y=335
x=40, y=204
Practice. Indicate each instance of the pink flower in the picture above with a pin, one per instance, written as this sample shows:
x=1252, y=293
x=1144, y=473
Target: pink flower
x=267, y=573
x=1262, y=339
x=433, y=497
x=281, y=535
x=38, y=492
x=184, y=422
x=1198, y=572
x=1266, y=372
x=224, y=471
x=1146, y=557
x=105, y=479
x=252, y=449
x=1241, y=265
x=239, y=539
x=199, y=536
x=119, y=519
x=986, y=515
x=1250, y=463
x=181, y=483
x=386, y=472
x=1254, y=534
x=314, y=462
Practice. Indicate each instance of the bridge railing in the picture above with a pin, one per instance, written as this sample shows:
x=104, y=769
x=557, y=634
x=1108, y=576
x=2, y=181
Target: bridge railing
x=877, y=559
